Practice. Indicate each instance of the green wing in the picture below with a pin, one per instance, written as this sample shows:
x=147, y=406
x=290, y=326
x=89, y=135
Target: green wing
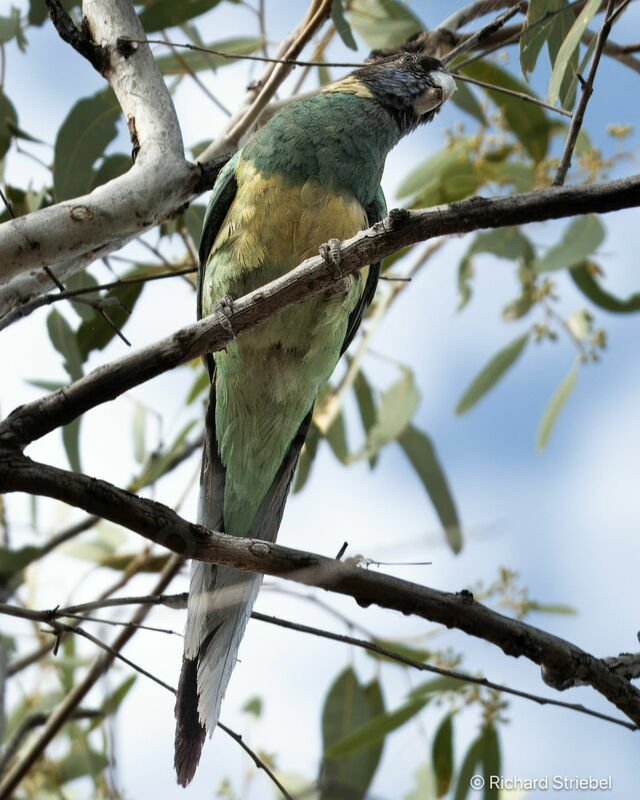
x=375, y=212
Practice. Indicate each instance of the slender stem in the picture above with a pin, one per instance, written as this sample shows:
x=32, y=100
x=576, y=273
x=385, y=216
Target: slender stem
x=585, y=94
x=520, y=95
x=68, y=706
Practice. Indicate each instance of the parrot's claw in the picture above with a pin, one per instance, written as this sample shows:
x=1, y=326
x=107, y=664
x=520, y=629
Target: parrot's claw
x=330, y=252
x=222, y=311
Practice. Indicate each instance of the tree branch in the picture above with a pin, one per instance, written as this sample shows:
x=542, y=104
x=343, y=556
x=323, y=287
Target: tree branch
x=401, y=228
x=585, y=94
x=68, y=706
x=561, y=661
x=68, y=235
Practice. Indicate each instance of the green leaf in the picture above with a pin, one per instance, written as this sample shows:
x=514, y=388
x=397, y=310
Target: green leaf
x=419, y=449
x=508, y=243
x=468, y=768
x=95, y=333
x=375, y=730
x=428, y=173
x=443, y=683
x=533, y=39
x=402, y=649
x=347, y=707
x=337, y=438
x=10, y=28
x=527, y=121
x=80, y=761
x=555, y=406
x=253, y=706
x=581, y=237
x=424, y=787
x=49, y=386
x=201, y=383
x=557, y=35
x=8, y=117
x=15, y=560
x=71, y=442
x=366, y=406
x=65, y=341
x=551, y=608
x=139, y=425
x=491, y=373
x=113, y=701
x=89, y=127
x=38, y=10
x=158, y=463
x=342, y=26
x=569, y=47
x=490, y=750
x=583, y=278
x=442, y=755
x=395, y=411
x=112, y=167
x=82, y=280
x=167, y=13
x=383, y=23
x=307, y=455
x=196, y=61
x=466, y=100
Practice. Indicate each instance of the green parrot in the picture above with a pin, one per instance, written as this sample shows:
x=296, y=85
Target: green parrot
x=310, y=175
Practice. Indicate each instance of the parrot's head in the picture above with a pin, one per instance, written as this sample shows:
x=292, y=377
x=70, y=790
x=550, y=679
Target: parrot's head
x=410, y=86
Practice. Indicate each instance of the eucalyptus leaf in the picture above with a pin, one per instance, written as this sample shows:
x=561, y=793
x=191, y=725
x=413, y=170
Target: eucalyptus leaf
x=196, y=61
x=65, y=341
x=491, y=373
x=82, y=138
x=442, y=755
x=554, y=407
x=420, y=451
x=527, y=121
x=580, y=239
x=383, y=23
x=8, y=119
x=342, y=26
x=348, y=706
x=583, y=277
x=569, y=47
x=394, y=413
x=167, y=13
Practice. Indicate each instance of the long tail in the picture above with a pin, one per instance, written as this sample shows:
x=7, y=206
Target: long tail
x=220, y=603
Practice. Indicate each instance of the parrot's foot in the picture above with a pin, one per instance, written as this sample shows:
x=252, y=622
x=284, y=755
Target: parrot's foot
x=222, y=310
x=330, y=252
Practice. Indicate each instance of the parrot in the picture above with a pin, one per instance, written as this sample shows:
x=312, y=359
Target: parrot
x=309, y=176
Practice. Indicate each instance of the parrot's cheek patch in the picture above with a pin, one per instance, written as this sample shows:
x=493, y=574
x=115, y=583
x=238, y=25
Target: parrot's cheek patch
x=428, y=100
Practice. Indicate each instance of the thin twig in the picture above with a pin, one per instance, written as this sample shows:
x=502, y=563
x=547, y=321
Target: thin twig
x=256, y=759
x=194, y=77
x=481, y=34
x=7, y=202
x=585, y=94
x=520, y=95
x=289, y=61
x=70, y=703
x=372, y=647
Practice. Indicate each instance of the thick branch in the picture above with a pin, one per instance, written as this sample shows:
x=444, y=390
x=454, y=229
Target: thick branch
x=401, y=228
x=160, y=524
x=158, y=184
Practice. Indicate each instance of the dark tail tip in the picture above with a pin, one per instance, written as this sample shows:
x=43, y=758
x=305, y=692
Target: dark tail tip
x=190, y=733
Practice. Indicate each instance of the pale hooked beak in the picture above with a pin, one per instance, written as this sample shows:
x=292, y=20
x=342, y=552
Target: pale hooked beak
x=434, y=96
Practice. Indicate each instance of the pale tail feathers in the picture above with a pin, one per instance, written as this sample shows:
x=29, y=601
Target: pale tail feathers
x=220, y=603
